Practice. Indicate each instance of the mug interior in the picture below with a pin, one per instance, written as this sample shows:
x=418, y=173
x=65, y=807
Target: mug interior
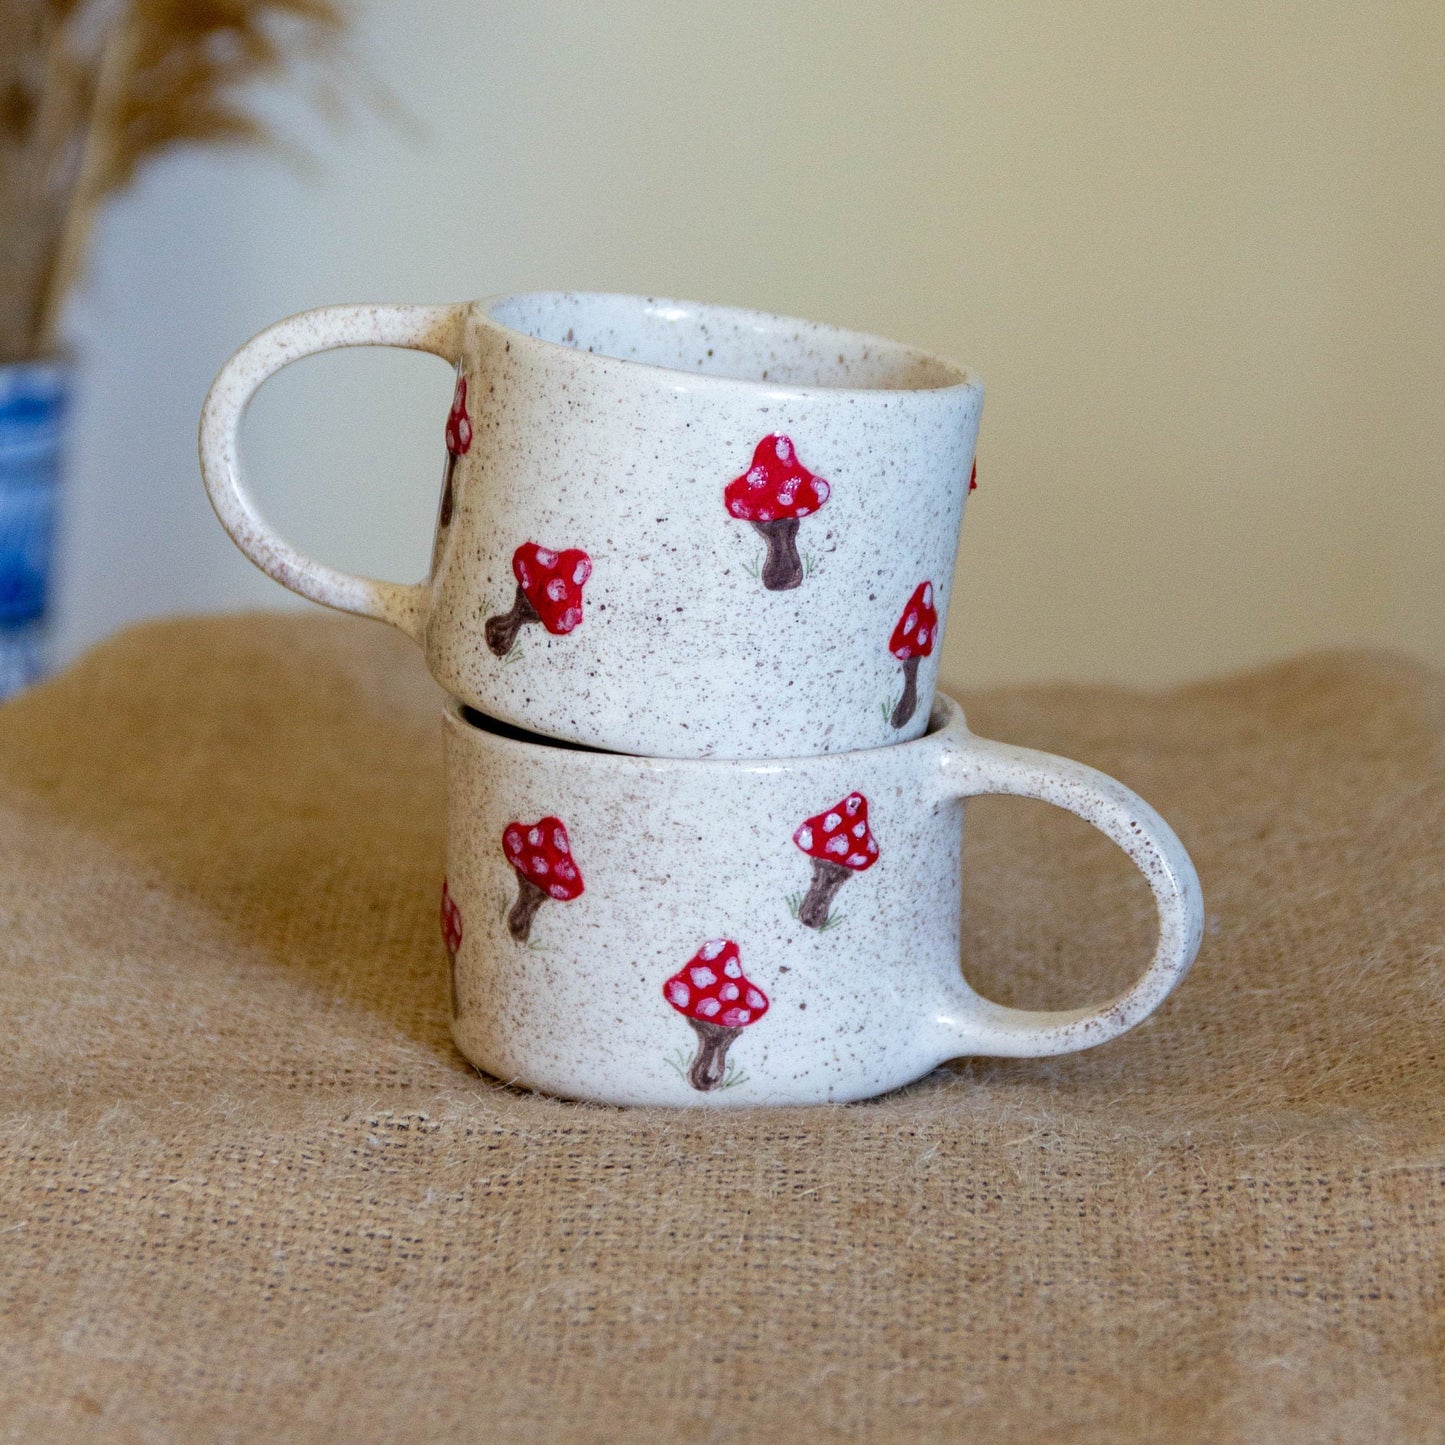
x=945, y=711
x=723, y=341
x=485, y=723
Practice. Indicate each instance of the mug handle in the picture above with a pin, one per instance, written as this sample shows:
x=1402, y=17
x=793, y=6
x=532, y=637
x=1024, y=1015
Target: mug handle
x=978, y=766
x=437, y=329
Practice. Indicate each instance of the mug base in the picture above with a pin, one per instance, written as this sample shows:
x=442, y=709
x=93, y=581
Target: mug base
x=652, y=1093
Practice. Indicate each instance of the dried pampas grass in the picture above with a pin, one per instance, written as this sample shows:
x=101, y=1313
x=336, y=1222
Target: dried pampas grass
x=92, y=89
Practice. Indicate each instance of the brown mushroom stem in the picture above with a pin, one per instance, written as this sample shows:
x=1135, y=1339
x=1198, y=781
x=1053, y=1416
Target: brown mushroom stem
x=502, y=630
x=828, y=878
x=711, y=1063
x=445, y=520
x=909, y=701
x=783, y=568
x=529, y=899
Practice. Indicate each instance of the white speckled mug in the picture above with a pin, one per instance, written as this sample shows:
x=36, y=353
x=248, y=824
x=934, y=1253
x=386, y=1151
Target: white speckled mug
x=665, y=528
x=705, y=932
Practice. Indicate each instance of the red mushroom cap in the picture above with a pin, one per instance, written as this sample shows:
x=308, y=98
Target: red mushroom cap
x=973, y=478
x=459, y=426
x=552, y=582
x=917, y=629
x=713, y=988
x=451, y=921
x=776, y=486
x=541, y=853
x=841, y=835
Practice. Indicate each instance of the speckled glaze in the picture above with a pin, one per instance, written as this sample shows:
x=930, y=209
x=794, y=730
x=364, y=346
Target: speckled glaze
x=674, y=865
x=757, y=499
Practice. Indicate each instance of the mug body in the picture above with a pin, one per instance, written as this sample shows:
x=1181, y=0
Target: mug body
x=694, y=531
x=703, y=932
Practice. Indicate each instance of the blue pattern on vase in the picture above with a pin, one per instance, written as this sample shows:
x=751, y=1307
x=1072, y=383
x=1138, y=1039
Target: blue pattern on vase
x=33, y=398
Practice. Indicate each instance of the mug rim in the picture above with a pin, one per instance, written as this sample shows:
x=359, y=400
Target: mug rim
x=945, y=717
x=964, y=377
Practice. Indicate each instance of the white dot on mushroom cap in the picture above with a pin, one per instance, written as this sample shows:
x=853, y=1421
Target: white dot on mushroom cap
x=735, y=1017
x=804, y=837
x=707, y=1007
x=569, y=619
x=820, y=490
x=524, y=574
x=538, y=864
x=559, y=841
x=910, y=622
x=872, y=846
x=534, y=835
x=733, y=968
x=581, y=572
x=836, y=845
x=923, y=637
x=856, y=860
x=556, y=589
x=784, y=449
x=546, y=558
x=755, y=999
x=852, y=803
x=830, y=822
x=728, y=992
x=702, y=977
x=928, y=594
x=557, y=891
x=739, y=510
x=513, y=840
x=712, y=948
x=765, y=514
x=801, y=511
x=859, y=829
x=677, y=992
x=901, y=653
x=564, y=869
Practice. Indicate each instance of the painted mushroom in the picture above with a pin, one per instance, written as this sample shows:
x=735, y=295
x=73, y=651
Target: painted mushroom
x=542, y=856
x=549, y=591
x=840, y=843
x=912, y=641
x=775, y=494
x=713, y=995
x=451, y=936
x=459, y=443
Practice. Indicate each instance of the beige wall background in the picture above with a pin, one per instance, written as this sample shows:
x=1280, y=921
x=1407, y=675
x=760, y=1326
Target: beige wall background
x=1195, y=252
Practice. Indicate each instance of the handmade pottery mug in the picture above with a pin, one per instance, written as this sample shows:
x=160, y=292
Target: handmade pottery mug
x=708, y=932
x=665, y=528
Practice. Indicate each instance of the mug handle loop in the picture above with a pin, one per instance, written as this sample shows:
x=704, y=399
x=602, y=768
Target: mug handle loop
x=978, y=766
x=437, y=329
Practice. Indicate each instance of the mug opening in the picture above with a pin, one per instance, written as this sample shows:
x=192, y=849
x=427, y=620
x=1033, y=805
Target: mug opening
x=484, y=722
x=945, y=713
x=726, y=342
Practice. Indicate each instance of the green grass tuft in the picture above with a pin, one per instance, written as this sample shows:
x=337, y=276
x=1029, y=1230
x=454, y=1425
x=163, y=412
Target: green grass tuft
x=680, y=1061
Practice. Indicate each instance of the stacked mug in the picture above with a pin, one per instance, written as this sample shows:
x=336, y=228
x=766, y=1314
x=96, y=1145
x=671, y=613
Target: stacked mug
x=687, y=595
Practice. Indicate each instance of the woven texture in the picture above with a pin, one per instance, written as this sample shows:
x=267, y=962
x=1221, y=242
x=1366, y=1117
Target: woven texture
x=249, y=1190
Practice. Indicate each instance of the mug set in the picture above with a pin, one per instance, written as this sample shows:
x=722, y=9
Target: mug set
x=687, y=595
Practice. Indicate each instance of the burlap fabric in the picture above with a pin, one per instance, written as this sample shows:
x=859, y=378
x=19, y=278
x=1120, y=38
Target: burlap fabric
x=250, y=1191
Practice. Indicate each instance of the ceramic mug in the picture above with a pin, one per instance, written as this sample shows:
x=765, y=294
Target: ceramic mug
x=665, y=528
x=707, y=932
